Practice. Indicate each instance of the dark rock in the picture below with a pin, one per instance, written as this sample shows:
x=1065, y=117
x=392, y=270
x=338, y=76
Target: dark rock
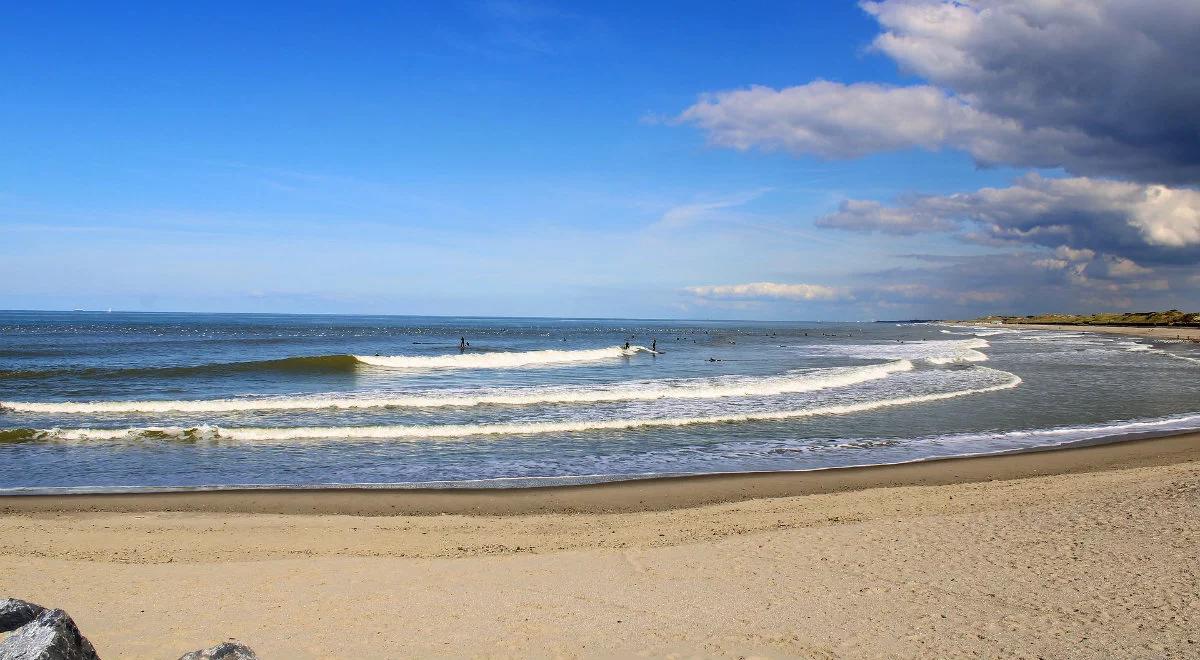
x=16, y=613
x=50, y=636
x=223, y=651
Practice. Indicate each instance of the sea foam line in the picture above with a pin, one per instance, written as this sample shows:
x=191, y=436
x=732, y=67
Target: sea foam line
x=252, y=434
x=498, y=360
x=740, y=386
x=938, y=352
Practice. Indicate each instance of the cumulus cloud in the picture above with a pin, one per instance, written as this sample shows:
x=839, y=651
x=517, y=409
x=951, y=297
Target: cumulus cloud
x=963, y=286
x=1024, y=282
x=1134, y=221
x=867, y=215
x=835, y=120
x=1098, y=87
x=839, y=121
x=1106, y=90
x=767, y=291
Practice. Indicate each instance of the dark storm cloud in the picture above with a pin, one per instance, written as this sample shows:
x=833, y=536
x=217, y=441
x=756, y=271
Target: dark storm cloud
x=1146, y=223
x=1097, y=87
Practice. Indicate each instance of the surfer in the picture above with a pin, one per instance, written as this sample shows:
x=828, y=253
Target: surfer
x=626, y=344
x=463, y=344
x=654, y=345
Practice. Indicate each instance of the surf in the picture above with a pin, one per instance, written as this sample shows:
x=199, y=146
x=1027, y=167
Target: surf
x=935, y=352
x=705, y=388
x=499, y=359
x=451, y=431
x=333, y=364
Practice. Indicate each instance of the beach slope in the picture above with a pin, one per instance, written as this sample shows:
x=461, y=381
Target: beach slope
x=1098, y=557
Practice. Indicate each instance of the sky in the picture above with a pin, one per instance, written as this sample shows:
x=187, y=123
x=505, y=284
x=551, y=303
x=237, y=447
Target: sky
x=755, y=160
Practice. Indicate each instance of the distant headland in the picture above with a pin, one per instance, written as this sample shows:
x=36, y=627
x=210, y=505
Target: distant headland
x=1170, y=318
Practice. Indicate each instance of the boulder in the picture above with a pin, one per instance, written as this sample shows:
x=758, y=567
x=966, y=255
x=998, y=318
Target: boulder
x=222, y=651
x=16, y=613
x=52, y=635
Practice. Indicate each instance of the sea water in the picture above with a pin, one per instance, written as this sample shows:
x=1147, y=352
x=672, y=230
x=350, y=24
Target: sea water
x=111, y=401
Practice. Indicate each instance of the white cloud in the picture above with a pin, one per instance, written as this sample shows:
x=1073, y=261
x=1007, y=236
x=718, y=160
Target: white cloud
x=1104, y=87
x=768, y=291
x=840, y=121
x=867, y=215
x=1130, y=220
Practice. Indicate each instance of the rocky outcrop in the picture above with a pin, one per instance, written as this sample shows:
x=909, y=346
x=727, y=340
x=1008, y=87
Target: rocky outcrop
x=224, y=651
x=51, y=635
x=16, y=613
x=43, y=634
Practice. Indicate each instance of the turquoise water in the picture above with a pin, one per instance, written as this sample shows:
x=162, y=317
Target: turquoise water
x=129, y=400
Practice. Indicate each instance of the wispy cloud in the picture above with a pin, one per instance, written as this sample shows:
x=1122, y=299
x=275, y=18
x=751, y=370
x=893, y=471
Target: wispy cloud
x=691, y=213
x=768, y=291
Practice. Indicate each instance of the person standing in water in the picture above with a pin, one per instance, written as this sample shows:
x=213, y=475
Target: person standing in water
x=463, y=344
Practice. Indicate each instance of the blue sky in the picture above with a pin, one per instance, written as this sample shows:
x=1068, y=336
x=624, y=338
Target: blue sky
x=489, y=158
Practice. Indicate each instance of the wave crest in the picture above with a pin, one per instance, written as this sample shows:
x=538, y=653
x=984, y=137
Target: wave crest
x=348, y=363
x=707, y=388
x=937, y=351
x=498, y=360
x=418, y=432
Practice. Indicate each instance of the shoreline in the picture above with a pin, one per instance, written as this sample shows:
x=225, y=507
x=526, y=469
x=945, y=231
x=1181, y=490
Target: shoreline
x=631, y=493
x=1148, y=331
x=1083, y=549
x=1101, y=562
x=630, y=496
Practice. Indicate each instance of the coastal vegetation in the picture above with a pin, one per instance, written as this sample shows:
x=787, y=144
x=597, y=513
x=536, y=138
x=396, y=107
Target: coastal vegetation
x=1170, y=318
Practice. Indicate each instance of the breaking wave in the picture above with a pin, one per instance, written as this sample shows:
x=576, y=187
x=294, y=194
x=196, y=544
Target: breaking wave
x=705, y=388
x=498, y=360
x=257, y=434
x=939, y=352
x=325, y=364
x=1138, y=347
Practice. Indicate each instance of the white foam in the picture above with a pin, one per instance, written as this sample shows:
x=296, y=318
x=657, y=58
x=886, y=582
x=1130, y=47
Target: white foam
x=1136, y=347
x=938, y=351
x=1176, y=355
x=700, y=388
x=1049, y=437
x=498, y=360
x=981, y=330
x=251, y=434
x=1055, y=336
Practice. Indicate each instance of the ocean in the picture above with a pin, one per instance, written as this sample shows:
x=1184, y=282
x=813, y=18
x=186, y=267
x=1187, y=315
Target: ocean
x=96, y=401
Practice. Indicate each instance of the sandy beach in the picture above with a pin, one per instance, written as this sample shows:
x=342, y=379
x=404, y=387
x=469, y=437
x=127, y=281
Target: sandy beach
x=1083, y=552
x=549, y=329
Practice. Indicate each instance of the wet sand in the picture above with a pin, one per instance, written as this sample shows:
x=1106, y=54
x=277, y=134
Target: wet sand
x=656, y=494
x=1086, y=552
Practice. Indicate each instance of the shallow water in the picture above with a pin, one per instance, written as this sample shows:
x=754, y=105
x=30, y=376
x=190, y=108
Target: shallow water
x=107, y=401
